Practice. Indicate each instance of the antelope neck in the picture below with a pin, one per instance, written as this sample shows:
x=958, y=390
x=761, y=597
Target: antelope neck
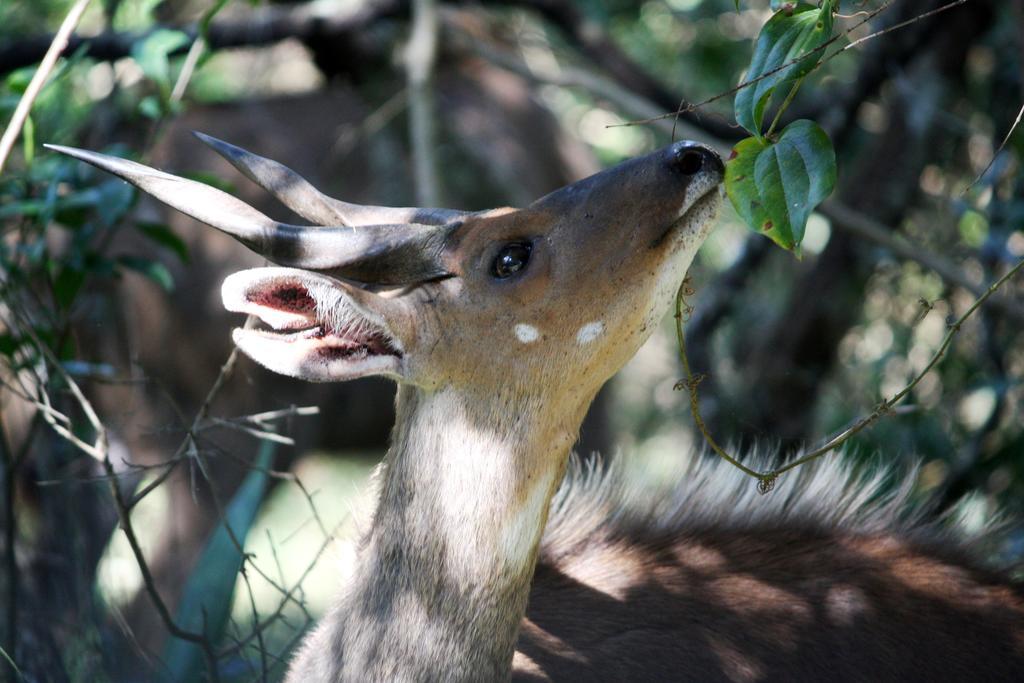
x=443, y=576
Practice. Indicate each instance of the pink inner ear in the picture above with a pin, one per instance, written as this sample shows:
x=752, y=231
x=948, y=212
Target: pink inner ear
x=285, y=297
x=350, y=339
x=318, y=332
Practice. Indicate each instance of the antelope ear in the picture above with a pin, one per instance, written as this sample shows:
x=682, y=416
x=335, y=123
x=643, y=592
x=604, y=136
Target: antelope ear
x=322, y=329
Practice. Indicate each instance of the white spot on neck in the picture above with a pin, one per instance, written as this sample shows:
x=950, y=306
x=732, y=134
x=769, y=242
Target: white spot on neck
x=590, y=332
x=526, y=333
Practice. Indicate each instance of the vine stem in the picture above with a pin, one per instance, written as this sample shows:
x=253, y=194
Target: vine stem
x=767, y=479
x=785, y=105
x=690, y=383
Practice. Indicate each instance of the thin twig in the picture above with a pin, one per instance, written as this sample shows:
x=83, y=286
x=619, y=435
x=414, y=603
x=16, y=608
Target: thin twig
x=99, y=450
x=188, y=68
x=259, y=424
x=271, y=415
x=767, y=479
x=237, y=542
x=172, y=627
x=196, y=51
x=628, y=102
x=35, y=86
x=999, y=150
x=350, y=135
x=187, y=444
x=9, y=658
x=288, y=597
x=169, y=467
x=807, y=55
x=256, y=619
x=261, y=434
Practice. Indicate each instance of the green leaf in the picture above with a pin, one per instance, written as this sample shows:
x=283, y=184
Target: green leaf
x=154, y=270
x=67, y=284
x=211, y=14
x=150, y=107
x=96, y=265
x=9, y=344
x=774, y=186
x=974, y=228
x=152, y=54
x=17, y=81
x=115, y=198
x=784, y=38
x=165, y=237
x=25, y=207
x=111, y=199
x=206, y=600
x=66, y=351
x=28, y=135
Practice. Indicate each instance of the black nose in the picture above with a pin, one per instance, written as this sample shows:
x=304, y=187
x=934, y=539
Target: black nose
x=691, y=158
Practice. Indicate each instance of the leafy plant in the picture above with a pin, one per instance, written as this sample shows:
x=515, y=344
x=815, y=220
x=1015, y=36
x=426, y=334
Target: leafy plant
x=775, y=184
x=776, y=181
x=152, y=54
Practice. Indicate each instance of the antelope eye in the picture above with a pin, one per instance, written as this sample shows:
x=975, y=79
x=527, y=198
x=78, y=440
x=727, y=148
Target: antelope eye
x=512, y=258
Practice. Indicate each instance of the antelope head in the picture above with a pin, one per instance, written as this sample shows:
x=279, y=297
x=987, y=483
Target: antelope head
x=559, y=294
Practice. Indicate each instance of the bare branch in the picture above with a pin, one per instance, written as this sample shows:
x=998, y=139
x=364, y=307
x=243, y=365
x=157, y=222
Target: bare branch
x=682, y=110
x=590, y=38
x=261, y=434
x=601, y=87
x=35, y=86
x=188, y=68
x=259, y=425
x=999, y=150
x=272, y=415
x=267, y=26
x=261, y=647
x=99, y=450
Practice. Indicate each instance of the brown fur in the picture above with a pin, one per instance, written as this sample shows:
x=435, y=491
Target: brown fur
x=815, y=587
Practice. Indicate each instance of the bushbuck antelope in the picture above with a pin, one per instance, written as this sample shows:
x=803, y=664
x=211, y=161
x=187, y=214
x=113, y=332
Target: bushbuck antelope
x=482, y=103
x=481, y=563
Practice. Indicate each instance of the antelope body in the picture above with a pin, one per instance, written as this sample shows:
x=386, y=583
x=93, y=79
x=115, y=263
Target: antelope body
x=485, y=560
